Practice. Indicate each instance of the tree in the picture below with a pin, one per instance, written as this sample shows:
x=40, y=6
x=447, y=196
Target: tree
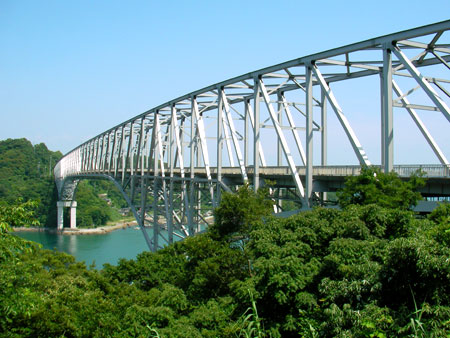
x=373, y=186
x=18, y=214
x=238, y=213
x=26, y=172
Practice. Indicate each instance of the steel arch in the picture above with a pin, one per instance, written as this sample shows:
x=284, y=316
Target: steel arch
x=170, y=160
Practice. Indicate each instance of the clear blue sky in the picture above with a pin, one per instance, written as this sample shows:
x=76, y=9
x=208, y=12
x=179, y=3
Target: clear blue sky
x=72, y=69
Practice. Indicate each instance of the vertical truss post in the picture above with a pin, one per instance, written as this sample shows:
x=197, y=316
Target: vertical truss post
x=101, y=143
x=323, y=134
x=144, y=154
x=102, y=153
x=170, y=203
x=86, y=157
x=280, y=122
x=94, y=149
x=193, y=145
x=387, y=120
x=309, y=135
x=107, y=140
x=192, y=141
x=113, y=149
x=246, y=136
x=382, y=118
x=120, y=151
x=129, y=153
x=89, y=158
x=219, y=145
x=256, y=133
x=83, y=149
x=94, y=154
x=151, y=150
x=105, y=157
x=97, y=149
x=140, y=146
x=323, y=129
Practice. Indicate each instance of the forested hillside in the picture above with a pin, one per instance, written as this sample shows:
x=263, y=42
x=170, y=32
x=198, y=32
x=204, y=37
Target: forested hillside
x=26, y=173
x=372, y=269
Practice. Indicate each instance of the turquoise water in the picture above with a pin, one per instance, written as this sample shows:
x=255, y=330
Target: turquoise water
x=99, y=249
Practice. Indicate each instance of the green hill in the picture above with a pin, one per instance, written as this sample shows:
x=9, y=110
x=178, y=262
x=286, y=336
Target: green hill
x=26, y=172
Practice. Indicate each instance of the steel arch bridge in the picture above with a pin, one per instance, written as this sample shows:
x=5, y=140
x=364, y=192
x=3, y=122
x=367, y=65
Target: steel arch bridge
x=173, y=162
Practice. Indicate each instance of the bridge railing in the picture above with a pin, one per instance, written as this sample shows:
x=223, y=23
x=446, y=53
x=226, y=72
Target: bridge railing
x=430, y=170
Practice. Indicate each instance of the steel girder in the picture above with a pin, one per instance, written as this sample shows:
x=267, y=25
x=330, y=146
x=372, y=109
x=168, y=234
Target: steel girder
x=170, y=162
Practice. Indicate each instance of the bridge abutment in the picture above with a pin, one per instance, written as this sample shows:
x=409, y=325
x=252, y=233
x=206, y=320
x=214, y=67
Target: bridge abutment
x=73, y=213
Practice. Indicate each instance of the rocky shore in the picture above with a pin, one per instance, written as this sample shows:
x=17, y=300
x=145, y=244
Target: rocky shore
x=80, y=231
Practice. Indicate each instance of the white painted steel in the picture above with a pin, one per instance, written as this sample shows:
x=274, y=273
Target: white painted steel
x=155, y=156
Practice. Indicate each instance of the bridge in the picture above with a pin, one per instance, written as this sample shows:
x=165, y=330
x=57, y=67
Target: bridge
x=281, y=123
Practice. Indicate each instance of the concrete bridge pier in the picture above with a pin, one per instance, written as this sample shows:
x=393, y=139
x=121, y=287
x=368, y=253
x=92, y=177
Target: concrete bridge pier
x=73, y=213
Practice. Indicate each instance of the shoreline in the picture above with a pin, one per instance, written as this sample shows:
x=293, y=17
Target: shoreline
x=78, y=231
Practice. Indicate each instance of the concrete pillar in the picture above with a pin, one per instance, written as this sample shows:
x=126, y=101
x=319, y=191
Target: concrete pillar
x=73, y=214
x=60, y=219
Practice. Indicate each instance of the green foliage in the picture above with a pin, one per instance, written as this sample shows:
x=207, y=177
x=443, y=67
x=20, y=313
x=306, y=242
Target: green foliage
x=250, y=323
x=238, y=213
x=26, y=172
x=17, y=214
x=441, y=215
x=91, y=209
x=367, y=270
x=387, y=190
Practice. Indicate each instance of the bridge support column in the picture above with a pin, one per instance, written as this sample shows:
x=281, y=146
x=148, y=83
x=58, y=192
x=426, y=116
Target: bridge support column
x=60, y=218
x=387, y=130
x=73, y=213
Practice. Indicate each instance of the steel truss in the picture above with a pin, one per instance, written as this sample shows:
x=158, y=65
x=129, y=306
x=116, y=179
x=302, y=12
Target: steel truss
x=170, y=164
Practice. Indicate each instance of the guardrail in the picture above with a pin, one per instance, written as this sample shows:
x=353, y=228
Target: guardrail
x=429, y=170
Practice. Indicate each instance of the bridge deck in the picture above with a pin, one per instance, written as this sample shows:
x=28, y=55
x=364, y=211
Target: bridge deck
x=326, y=178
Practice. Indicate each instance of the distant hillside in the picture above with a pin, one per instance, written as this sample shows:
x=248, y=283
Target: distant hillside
x=26, y=172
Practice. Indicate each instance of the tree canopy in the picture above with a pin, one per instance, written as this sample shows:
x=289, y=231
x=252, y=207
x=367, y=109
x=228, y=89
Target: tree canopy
x=373, y=186
x=366, y=270
x=26, y=172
